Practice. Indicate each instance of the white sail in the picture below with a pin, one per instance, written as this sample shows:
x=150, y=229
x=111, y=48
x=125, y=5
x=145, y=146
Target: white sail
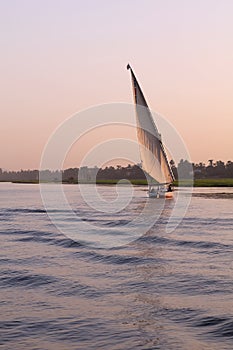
x=153, y=156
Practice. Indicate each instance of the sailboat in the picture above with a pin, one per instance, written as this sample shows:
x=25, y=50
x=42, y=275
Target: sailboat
x=154, y=160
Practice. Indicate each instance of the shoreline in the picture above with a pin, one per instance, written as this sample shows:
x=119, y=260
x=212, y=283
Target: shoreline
x=183, y=183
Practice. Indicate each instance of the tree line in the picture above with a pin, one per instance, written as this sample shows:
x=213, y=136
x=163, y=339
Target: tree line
x=213, y=170
x=183, y=170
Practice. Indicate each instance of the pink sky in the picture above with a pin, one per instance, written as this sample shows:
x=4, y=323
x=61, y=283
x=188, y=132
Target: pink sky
x=59, y=57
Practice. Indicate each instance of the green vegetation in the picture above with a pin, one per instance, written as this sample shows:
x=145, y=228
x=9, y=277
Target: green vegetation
x=98, y=182
x=215, y=174
x=25, y=182
x=213, y=182
x=139, y=182
x=205, y=183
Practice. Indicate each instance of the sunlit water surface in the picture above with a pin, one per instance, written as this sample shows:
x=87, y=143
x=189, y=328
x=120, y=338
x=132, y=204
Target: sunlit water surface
x=162, y=291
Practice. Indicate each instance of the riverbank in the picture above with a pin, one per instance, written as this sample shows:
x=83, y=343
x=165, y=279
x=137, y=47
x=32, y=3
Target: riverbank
x=183, y=183
x=205, y=183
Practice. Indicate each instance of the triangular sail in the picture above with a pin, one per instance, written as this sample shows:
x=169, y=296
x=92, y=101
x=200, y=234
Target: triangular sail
x=153, y=156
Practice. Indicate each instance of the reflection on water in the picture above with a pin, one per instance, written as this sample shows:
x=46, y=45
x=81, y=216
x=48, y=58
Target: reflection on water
x=162, y=291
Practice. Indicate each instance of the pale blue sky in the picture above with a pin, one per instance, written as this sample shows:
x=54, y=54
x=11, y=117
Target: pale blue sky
x=58, y=57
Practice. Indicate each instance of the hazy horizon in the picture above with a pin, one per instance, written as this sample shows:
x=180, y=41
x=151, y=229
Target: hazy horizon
x=59, y=58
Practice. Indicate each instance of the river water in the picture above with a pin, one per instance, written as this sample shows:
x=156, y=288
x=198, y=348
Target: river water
x=162, y=290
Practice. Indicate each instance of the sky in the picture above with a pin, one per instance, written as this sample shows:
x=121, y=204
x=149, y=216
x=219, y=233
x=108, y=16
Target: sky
x=61, y=57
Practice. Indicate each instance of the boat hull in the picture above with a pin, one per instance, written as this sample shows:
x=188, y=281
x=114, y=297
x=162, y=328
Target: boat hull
x=160, y=194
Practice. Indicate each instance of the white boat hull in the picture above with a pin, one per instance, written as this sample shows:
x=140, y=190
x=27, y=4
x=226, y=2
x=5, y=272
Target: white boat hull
x=160, y=193
x=168, y=195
